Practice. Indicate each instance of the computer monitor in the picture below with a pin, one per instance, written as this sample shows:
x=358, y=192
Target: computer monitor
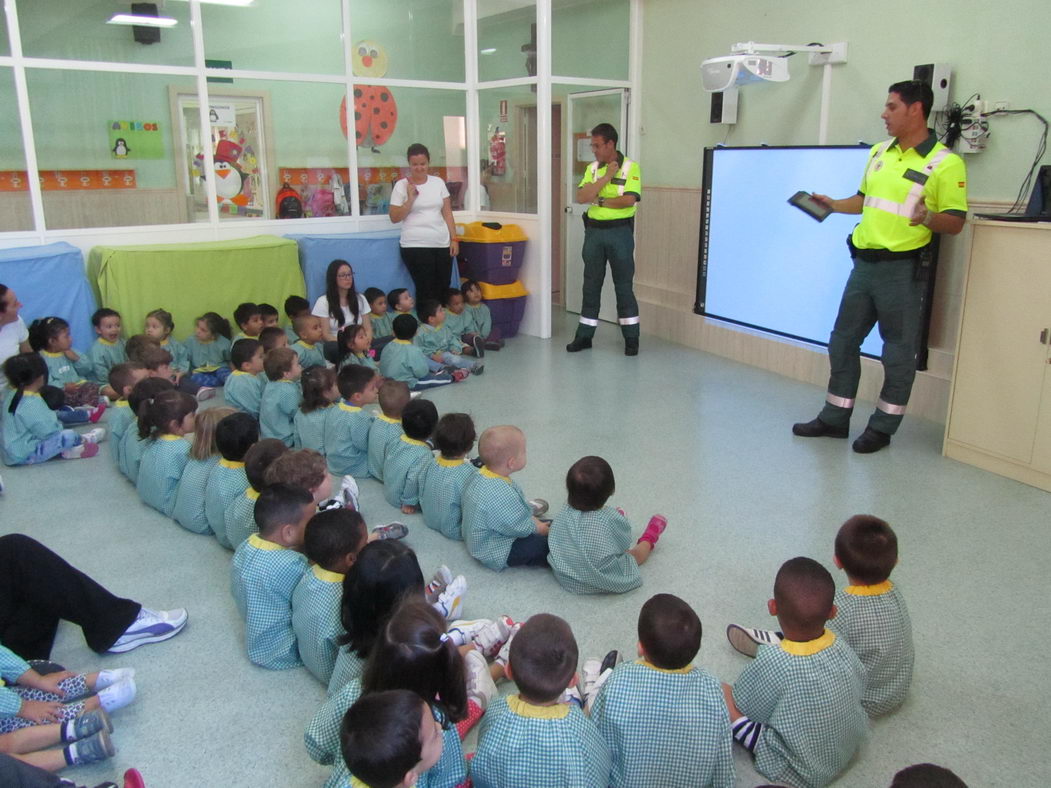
x=1040, y=200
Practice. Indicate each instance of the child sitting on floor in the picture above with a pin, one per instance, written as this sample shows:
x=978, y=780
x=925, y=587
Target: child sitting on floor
x=281, y=395
x=441, y=347
x=32, y=432
x=331, y=543
x=239, y=517
x=266, y=569
x=234, y=435
x=272, y=337
x=50, y=337
x=311, y=333
x=590, y=542
x=401, y=302
x=209, y=350
x=871, y=614
x=542, y=661
x=404, y=361
x=442, y=481
x=249, y=319
x=797, y=707
x=295, y=306
x=164, y=424
x=379, y=317
x=122, y=379
x=680, y=736
x=204, y=456
x=271, y=317
x=133, y=445
x=353, y=344
x=244, y=387
x=347, y=426
x=108, y=349
x=499, y=526
x=318, y=384
x=393, y=396
x=479, y=320
x=409, y=456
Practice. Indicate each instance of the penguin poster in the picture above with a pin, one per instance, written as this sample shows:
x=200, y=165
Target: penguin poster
x=136, y=139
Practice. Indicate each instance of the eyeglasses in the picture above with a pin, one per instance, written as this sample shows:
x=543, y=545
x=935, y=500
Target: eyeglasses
x=344, y=276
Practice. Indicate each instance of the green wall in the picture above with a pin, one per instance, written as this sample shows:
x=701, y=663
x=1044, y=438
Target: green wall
x=996, y=49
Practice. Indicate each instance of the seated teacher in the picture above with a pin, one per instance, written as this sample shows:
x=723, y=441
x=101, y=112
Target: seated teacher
x=14, y=336
x=341, y=306
x=428, y=236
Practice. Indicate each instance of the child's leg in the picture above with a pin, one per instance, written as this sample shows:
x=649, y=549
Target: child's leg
x=459, y=361
x=82, y=394
x=209, y=379
x=222, y=374
x=36, y=737
x=432, y=380
x=530, y=550
x=745, y=731
x=189, y=385
x=68, y=415
x=434, y=366
x=52, y=446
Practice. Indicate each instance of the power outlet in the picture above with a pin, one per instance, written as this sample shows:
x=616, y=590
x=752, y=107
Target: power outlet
x=1000, y=106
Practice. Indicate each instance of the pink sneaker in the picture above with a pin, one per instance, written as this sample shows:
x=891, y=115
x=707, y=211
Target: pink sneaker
x=460, y=374
x=96, y=414
x=654, y=529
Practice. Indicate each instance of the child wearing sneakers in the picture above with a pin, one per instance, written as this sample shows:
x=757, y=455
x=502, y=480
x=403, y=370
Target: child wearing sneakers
x=204, y=456
x=797, y=707
x=32, y=432
x=532, y=738
x=281, y=395
x=133, y=446
x=590, y=541
x=404, y=361
x=233, y=437
x=871, y=614
x=108, y=349
x=311, y=333
x=393, y=396
x=442, y=481
x=412, y=653
x=239, y=517
x=331, y=543
x=441, y=347
x=163, y=425
x=122, y=379
x=499, y=526
x=266, y=569
x=664, y=718
x=409, y=456
x=347, y=426
x=318, y=384
x=244, y=387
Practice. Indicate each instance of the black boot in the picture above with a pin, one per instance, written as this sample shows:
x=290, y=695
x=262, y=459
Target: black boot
x=579, y=343
x=631, y=346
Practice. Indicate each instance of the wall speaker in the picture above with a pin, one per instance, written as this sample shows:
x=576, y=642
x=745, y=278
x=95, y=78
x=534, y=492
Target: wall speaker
x=724, y=106
x=939, y=77
x=145, y=35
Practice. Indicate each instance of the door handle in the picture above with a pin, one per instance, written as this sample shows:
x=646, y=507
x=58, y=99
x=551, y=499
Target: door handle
x=568, y=209
x=1043, y=336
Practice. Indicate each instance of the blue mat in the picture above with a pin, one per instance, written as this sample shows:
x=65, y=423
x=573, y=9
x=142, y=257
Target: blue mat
x=50, y=280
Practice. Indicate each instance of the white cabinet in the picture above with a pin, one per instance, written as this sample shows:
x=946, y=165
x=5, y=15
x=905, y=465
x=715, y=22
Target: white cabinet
x=1000, y=406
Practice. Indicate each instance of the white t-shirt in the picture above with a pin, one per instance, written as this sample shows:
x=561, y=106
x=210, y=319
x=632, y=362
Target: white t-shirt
x=321, y=310
x=11, y=336
x=424, y=226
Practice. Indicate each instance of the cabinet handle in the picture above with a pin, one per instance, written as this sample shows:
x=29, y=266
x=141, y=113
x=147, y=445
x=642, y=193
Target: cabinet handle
x=1043, y=337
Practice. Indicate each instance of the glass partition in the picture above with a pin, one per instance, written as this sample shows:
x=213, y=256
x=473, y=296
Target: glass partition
x=408, y=39
x=16, y=212
x=508, y=135
x=590, y=39
x=506, y=39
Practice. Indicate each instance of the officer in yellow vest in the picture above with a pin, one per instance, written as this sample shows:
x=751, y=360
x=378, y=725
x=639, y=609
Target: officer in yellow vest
x=913, y=186
x=612, y=184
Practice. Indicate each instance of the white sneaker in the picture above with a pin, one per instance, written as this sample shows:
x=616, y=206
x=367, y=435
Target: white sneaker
x=150, y=626
x=348, y=491
x=450, y=600
x=505, y=649
x=205, y=393
x=748, y=640
x=96, y=435
x=480, y=685
x=108, y=678
x=118, y=695
x=486, y=635
x=592, y=679
x=438, y=583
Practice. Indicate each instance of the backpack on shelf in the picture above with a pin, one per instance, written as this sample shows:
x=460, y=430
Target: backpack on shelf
x=322, y=202
x=288, y=202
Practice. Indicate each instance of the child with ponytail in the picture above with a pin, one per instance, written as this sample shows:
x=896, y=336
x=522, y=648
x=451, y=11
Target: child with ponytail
x=204, y=456
x=131, y=452
x=50, y=337
x=163, y=423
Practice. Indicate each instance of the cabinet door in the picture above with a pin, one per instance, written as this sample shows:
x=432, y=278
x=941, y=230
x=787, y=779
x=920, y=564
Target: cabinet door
x=1000, y=374
x=1042, y=444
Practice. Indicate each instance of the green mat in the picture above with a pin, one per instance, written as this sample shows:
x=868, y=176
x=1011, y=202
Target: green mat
x=191, y=279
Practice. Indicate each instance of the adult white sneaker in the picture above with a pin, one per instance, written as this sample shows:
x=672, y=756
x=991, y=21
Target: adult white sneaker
x=150, y=626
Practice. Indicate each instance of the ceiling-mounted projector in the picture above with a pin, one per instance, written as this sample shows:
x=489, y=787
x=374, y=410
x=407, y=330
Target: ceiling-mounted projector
x=722, y=73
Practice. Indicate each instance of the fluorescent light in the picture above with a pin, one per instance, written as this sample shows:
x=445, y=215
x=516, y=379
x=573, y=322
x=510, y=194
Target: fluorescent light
x=241, y=3
x=142, y=21
x=489, y=51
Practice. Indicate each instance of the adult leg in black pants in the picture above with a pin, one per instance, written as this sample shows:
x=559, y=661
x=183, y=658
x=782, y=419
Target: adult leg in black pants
x=430, y=269
x=38, y=589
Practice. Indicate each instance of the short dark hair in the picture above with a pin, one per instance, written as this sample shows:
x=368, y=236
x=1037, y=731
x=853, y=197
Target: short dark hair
x=144, y=391
x=411, y=653
x=394, y=295
x=136, y=346
x=417, y=149
x=427, y=309
x=383, y=573
x=280, y=504
x=455, y=435
x=353, y=379
x=259, y=457
x=468, y=284
x=543, y=658
x=927, y=775
x=450, y=294
x=669, y=631
x=269, y=337
x=104, y=312
x=372, y=293
x=589, y=483
x=315, y=382
x=154, y=356
x=332, y=534
x=121, y=375
x=606, y=131
x=404, y=326
x=379, y=737
x=804, y=590
x=243, y=351
x=302, y=468
x=268, y=310
x=394, y=395
x=913, y=90
x=295, y=304
x=867, y=547
x=419, y=419
x=278, y=361
x=233, y=435
x=244, y=312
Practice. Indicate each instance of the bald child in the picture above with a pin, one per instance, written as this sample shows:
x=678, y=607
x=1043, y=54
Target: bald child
x=498, y=524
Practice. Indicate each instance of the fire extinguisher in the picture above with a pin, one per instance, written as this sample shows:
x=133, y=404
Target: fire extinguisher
x=498, y=152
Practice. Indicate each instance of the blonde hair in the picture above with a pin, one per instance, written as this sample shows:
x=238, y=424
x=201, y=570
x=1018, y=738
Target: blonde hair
x=204, y=432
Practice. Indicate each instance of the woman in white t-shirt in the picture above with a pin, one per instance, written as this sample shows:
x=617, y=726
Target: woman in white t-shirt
x=341, y=306
x=428, y=236
x=14, y=336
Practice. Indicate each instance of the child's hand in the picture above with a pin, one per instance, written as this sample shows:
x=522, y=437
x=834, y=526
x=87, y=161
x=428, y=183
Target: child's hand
x=50, y=682
x=176, y=377
x=542, y=528
x=409, y=509
x=40, y=711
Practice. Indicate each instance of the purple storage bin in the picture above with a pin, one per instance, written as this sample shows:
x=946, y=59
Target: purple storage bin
x=507, y=315
x=495, y=263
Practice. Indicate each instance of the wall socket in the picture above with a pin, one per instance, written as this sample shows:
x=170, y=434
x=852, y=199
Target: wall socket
x=985, y=107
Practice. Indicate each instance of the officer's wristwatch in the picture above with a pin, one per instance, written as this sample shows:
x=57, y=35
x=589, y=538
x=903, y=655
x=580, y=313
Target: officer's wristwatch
x=601, y=201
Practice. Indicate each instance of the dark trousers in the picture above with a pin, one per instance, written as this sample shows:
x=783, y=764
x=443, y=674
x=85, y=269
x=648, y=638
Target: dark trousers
x=38, y=589
x=617, y=246
x=16, y=774
x=530, y=550
x=431, y=269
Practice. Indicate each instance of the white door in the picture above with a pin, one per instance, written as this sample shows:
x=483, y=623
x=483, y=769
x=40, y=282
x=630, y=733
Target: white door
x=587, y=110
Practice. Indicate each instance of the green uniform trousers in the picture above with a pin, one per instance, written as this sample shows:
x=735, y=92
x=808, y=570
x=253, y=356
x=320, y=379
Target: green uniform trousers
x=888, y=293
x=616, y=245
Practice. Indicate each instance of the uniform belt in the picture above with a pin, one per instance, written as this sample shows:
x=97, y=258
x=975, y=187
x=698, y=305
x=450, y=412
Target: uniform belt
x=881, y=255
x=605, y=224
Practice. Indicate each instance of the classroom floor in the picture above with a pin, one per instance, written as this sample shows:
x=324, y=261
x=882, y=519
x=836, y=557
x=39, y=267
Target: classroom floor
x=701, y=439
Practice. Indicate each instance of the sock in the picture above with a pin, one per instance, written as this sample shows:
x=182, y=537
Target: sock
x=67, y=733
x=654, y=529
x=108, y=678
x=118, y=695
x=747, y=732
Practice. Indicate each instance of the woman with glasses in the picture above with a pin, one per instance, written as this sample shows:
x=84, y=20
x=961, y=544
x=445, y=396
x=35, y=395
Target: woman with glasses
x=341, y=306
